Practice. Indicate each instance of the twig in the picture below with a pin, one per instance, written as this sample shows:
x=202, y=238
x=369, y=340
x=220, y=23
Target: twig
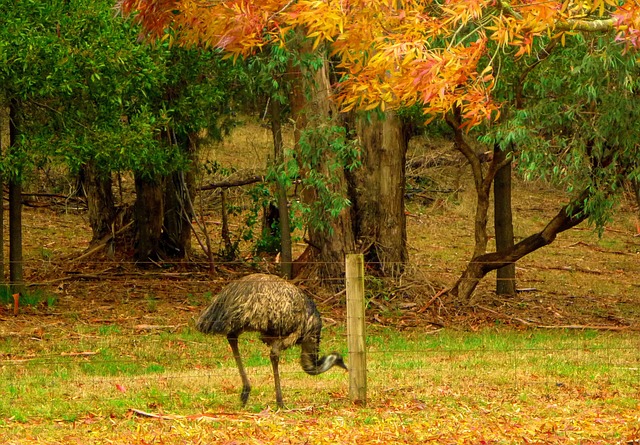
x=592, y=327
x=103, y=242
x=78, y=354
x=153, y=327
x=332, y=297
x=509, y=317
x=430, y=302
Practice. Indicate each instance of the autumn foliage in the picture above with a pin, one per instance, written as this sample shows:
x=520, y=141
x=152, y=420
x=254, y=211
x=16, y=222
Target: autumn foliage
x=395, y=53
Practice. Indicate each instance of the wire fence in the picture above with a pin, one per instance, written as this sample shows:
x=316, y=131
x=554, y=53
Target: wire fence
x=140, y=348
x=606, y=370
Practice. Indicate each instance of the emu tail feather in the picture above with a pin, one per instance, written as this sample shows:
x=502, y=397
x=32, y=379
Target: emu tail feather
x=211, y=321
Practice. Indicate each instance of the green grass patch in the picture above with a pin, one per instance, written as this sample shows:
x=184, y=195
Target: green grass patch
x=31, y=297
x=509, y=374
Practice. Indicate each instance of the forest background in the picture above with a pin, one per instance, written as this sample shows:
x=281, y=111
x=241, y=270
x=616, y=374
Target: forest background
x=142, y=171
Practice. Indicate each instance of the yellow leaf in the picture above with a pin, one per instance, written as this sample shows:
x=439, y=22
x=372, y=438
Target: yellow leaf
x=371, y=106
x=316, y=42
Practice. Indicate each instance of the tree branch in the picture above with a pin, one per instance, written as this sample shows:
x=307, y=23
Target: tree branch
x=602, y=25
x=561, y=222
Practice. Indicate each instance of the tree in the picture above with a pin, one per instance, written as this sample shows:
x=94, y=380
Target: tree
x=92, y=95
x=447, y=58
x=578, y=127
x=378, y=189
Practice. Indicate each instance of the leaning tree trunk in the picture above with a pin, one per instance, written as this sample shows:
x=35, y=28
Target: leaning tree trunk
x=481, y=265
x=312, y=110
x=503, y=222
x=148, y=214
x=100, y=201
x=378, y=192
x=482, y=182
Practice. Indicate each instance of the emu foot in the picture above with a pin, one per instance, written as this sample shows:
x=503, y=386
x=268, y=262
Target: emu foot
x=244, y=396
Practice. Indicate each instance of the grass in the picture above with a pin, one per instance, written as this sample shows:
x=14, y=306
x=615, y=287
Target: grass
x=415, y=380
x=28, y=298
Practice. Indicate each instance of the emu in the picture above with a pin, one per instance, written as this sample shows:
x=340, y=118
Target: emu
x=282, y=314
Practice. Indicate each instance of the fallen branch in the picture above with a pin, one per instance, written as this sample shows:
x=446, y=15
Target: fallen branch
x=508, y=317
x=197, y=417
x=571, y=269
x=153, y=327
x=103, y=242
x=591, y=327
x=78, y=354
x=430, y=302
x=600, y=249
x=233, y=183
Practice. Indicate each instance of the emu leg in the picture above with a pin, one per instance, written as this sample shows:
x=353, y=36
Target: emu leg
x=275, y=358
x=246, y=386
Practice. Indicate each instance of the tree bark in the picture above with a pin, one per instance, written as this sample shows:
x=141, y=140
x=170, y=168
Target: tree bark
x=482, y=182
x=378, y=193
x=481, y=265
x=100, y=201
x=5, y=143
x=636, y=188
x=16, y=266
x=503, y=222
x=312, y=109
x=16, y=270
x=176, y=234
x=149, y=215
x=286, y=256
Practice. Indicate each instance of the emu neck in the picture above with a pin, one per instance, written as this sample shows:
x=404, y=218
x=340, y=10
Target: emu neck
x=310, y=362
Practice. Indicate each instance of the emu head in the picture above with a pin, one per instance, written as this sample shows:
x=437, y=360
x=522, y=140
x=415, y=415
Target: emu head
x=323, y=364
x=334, y=359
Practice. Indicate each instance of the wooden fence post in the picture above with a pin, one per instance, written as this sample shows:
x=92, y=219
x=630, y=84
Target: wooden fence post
x=355, y=329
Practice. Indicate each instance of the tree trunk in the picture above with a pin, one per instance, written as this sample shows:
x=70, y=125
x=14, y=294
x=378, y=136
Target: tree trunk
x=176, y=236
x=16, y=270
x=100, y=201
x=312, y=109
x=286, y=256
x=5, y=143
x=481, y=265
x=149, y=215
x=503, y=222
x=378, y=193
x=636, y=188
x=482, y=182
